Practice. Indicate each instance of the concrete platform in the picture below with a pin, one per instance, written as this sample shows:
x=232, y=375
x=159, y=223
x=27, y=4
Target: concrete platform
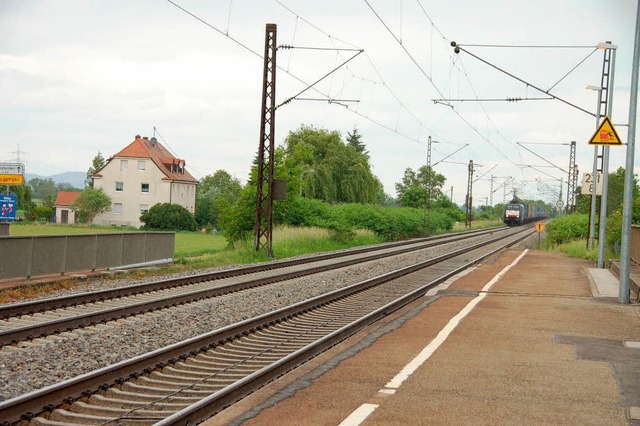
x=603, y=283
x=522, y=344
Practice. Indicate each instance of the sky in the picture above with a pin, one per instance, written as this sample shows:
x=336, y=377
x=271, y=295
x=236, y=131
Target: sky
x=78, y=77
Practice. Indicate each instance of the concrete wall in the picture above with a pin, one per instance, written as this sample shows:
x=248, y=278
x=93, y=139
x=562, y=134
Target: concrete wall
x=23, y=256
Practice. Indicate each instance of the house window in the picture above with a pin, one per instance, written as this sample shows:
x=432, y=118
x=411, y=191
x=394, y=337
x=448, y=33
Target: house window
x=144, y=208
x=141, y=165
x=119, y=186
x=117, y=208
x=124, y=165
x=145, y=188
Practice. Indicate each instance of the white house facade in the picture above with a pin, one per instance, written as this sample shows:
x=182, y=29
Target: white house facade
x=143, y=174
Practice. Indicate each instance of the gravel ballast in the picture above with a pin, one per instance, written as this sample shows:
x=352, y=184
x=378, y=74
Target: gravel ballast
x=46, y=361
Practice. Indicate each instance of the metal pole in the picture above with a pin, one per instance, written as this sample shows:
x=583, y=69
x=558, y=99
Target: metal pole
x=605, y=170
x=263, y=230
x=491, y=192
x=594, y=177
x=627, y=204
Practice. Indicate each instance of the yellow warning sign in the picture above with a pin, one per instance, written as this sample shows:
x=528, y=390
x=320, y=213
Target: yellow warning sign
x=539, y=226
x=606, y=134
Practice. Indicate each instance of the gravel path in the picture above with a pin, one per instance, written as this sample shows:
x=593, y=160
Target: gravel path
x=46, y=361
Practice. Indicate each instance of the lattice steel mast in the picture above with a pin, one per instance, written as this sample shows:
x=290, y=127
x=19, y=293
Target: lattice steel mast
x=264, y=195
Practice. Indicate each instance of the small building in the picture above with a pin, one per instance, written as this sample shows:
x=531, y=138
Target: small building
x=62, y=206
x=141, y=175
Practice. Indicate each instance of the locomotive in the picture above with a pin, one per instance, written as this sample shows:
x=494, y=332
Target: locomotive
x=518, y=213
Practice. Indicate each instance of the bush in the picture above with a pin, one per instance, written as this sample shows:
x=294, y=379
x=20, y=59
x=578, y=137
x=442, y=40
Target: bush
x=167, y=216
x=389, y=223
x=568, y=228
x=40, y=213
x=613, y=232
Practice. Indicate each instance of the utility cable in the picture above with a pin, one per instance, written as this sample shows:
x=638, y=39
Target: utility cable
x=458, y=48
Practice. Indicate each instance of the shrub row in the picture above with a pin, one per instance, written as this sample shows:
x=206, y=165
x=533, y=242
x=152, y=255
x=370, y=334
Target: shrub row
x=390, y=223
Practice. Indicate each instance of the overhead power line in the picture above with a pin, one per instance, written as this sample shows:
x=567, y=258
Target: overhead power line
x=424, y=73
x=527, y=46
x=508, y=99
x=327, y=96
x=457, y=49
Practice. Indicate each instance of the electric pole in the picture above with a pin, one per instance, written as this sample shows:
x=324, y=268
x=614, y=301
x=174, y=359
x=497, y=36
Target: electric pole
x=608, y=71
x=265, y=185
x=469, y=202
x=571, y=181
x=427, y=199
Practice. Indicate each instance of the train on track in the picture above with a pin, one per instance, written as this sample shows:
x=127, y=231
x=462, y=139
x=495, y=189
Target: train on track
x=519, y=213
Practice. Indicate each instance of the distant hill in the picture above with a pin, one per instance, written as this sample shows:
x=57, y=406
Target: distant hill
x=73, y=178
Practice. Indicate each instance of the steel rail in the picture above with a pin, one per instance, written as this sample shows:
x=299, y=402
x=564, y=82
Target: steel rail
x=37, y=306
x=55, y=326
x=49, y=398
x=216, y=402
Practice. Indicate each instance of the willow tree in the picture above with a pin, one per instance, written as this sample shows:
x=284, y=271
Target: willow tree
x=323, y=167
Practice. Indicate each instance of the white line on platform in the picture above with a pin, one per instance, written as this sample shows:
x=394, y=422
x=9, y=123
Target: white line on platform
x=428, y=350
x=359, y=415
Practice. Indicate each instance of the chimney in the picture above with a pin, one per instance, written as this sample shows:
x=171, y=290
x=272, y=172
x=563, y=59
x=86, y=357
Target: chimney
x=137, y=136
x=146, y=138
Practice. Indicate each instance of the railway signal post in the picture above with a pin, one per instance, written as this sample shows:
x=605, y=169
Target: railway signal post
x=539, y=229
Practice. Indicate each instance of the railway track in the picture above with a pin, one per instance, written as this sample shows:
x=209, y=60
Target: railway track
x=189, y=381
x=41, y=318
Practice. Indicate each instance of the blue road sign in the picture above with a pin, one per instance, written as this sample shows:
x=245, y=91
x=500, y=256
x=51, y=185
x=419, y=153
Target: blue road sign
x=8, y=207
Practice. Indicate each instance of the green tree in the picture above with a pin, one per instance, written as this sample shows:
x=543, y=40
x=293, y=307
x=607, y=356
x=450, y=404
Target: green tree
x=64, y=186
x=96, y=164
x=319, y=165
x=354, y=140
x=413, y=189
x=214, y=196
x=43, y=189
x=23, y=193
x=168, y=216
x=90, y=203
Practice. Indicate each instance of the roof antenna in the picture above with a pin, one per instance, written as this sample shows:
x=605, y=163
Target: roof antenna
x=153, y=140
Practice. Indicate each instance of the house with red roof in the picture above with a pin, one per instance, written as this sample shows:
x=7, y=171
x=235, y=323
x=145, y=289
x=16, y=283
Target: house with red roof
x=62, y=206
x=141, y=175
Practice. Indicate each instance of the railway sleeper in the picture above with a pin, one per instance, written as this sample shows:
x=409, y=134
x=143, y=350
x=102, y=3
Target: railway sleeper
x=223, y=377
x=185, y=385
x=207, y=379
x=214, y=384
x=66, y=417
x=211, y=368
x=127, y=404
x=160, y=392
x=110, y=412
x=186, y=372
x=137, y=397
x=242, y=354
x=247, y=362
